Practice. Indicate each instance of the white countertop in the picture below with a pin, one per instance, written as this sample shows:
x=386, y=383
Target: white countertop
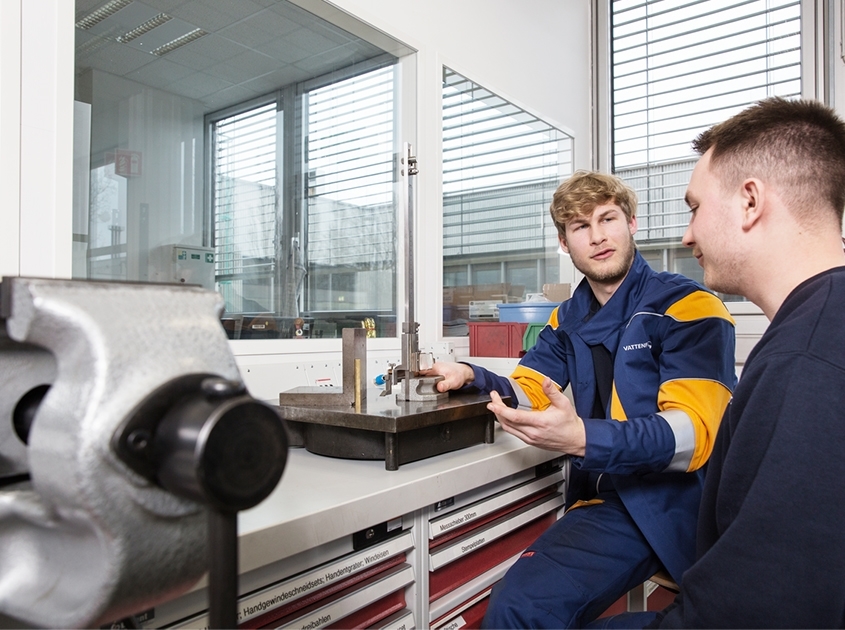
x=320, y=499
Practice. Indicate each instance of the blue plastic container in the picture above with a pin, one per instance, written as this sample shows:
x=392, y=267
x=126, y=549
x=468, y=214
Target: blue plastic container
x=527, y=312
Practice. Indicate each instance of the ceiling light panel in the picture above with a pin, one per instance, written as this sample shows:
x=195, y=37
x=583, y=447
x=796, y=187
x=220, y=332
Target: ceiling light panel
x=165, y=33
x=187, y=38
x=146, y=27
x=105, y=11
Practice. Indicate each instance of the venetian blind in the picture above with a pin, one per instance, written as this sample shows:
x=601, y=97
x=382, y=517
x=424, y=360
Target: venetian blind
x=244, y=165
x=501, y=165
x=679, y=67
x=349, y=170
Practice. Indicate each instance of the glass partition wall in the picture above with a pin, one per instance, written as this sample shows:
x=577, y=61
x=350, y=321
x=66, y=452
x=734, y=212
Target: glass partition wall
x=248, y=149
x=501, y=166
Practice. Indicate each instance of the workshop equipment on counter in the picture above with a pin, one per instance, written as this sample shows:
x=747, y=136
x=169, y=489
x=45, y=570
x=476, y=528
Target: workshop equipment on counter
x=363, y=423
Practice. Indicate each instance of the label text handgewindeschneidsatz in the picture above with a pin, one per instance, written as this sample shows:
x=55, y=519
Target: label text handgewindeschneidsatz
x=250, y=610
x=259, y=607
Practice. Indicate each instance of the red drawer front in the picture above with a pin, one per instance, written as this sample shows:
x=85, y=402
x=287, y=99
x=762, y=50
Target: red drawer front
x=372, y=614
x=317, y=597
x=474, y=564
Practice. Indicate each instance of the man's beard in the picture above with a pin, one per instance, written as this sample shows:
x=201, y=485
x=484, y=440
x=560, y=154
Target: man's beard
x=610, y=275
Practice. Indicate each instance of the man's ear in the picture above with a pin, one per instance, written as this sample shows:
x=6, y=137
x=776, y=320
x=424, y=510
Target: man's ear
x=752, y=197
x=562, y=241
x=632, y=225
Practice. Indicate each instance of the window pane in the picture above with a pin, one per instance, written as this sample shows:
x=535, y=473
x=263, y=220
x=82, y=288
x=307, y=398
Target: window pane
x=679, y=68
x=253, y=157
x=244, y=198
x=501, y=166
x=350, y=201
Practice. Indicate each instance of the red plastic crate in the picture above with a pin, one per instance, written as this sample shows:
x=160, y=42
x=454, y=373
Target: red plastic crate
x=496, y=339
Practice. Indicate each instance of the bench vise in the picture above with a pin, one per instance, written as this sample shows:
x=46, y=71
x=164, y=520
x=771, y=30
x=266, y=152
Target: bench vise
x=126, y=433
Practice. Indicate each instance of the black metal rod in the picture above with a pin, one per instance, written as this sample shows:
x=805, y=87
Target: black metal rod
x=222, y=569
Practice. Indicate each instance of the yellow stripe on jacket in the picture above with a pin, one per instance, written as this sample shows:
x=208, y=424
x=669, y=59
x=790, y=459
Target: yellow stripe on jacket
x=698, y=305
x=703, y=400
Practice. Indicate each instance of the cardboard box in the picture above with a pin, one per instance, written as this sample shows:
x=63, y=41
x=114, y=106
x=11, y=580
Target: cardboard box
x=456, y=299
x=557, y=292
x=501, y=292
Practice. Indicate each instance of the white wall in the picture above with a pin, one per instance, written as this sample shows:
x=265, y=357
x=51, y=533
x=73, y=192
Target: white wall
x=36, y=122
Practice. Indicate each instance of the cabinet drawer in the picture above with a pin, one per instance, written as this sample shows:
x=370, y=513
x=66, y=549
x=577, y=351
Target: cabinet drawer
x=483, y=536
x=359, y=606
x=284, y=597
x=469, y=615
x=465, y=515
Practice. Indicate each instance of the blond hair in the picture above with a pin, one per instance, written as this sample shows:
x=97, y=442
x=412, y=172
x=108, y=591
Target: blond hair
x=582, y=193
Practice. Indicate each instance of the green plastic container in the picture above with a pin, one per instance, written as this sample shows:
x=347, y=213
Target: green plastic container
x=529, y=338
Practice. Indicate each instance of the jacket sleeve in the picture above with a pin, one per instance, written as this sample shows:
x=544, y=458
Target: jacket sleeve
x=486, y=381
x=696, y=376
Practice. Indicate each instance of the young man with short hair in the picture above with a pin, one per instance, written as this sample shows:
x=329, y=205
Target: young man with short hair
x=766, y=201
x=650, y=357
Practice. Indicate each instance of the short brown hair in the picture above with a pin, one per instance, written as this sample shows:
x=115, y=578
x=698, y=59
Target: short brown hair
x=797, y=145
x=582, y=193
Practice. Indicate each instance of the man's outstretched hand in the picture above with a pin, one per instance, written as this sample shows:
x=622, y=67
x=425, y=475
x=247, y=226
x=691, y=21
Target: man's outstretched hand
x=556, y=428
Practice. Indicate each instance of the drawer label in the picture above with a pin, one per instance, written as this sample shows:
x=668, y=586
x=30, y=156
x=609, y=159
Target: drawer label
x=315, y=579
x=458, y=520
x=443, y=524
x=456, y=623
x=473, y=545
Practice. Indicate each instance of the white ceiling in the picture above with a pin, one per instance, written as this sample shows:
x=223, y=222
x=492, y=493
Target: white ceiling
x=253, y=47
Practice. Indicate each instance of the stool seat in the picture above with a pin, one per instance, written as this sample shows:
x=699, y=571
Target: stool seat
x=662, y=578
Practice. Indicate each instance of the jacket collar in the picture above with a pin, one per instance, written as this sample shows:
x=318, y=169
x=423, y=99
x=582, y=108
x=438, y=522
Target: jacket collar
x=605, y=326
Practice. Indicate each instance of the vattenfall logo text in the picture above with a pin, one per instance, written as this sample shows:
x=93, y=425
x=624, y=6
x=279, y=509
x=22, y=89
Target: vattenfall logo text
x=637, y=346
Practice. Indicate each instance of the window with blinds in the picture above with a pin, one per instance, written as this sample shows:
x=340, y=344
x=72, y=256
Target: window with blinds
x=501, y=166
x=245, y=147
x=679, y=67
x=304, y=206
x=351, y=218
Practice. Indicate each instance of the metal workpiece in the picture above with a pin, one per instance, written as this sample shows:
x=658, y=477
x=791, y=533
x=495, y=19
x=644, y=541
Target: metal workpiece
x=354, y=374
x=92, y=537
x=421, y=389
x=398, y=433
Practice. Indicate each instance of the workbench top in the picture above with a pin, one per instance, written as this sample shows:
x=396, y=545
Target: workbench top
x=320, y=499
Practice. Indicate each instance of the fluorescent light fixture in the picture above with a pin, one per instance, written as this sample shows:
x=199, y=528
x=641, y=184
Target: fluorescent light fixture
x=179, y=42
x=146, y=27
x=95, y=17
x=92, y=45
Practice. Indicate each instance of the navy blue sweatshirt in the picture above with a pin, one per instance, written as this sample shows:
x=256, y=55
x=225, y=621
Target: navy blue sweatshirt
x=771, y=530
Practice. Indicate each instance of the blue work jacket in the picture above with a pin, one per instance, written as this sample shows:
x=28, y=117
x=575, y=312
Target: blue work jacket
x=673, y=345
